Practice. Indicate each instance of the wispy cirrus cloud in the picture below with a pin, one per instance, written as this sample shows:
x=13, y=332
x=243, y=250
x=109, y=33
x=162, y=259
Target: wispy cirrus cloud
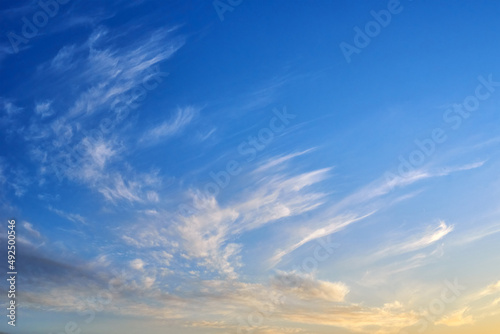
x=135, y=188
x=207, y=233
x=391, y=182
x=106, y=76
x=334, y=225
x=107, y=70
x=476, y=235
x=74, y=217
x=415, y=243
x=180, y=120
x=378, y=275
x=280, y=160
x=275, y=197
x=364, y=202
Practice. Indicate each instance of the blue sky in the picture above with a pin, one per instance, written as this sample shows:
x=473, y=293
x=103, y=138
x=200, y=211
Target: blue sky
x=228, y=167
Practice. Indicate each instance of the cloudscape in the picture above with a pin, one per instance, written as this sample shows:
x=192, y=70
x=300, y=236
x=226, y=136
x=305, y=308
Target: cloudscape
x=237, y=167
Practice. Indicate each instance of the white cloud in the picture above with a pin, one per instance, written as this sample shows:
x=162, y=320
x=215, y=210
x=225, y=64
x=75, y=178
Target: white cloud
x=148, y=282
x=150, y=232
x=44, y=109
x=415, y=243
x=380, y=274
x=491, y=289
x=279, y=196
x=204, y=136
x=103, y=78
x=31, y=230
x=457, y=318
x=8, y=107
x=390, y=182
x=135, y=188
x=153, y=196
x=8, y=113
x=64, y=58
x=206, y=233
x=335, y=224
x=363, y=202
x=307, y=287
x=137, y=264
x=172, y=127
x=280, y=160
x=19, y=180
x=99, y=151
x=120, y=189
x=475, y=235
x=162, y=257
x=111, y=73
x=76, y=218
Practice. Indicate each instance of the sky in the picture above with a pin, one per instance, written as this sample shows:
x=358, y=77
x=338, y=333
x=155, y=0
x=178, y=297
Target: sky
x=237, y=166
